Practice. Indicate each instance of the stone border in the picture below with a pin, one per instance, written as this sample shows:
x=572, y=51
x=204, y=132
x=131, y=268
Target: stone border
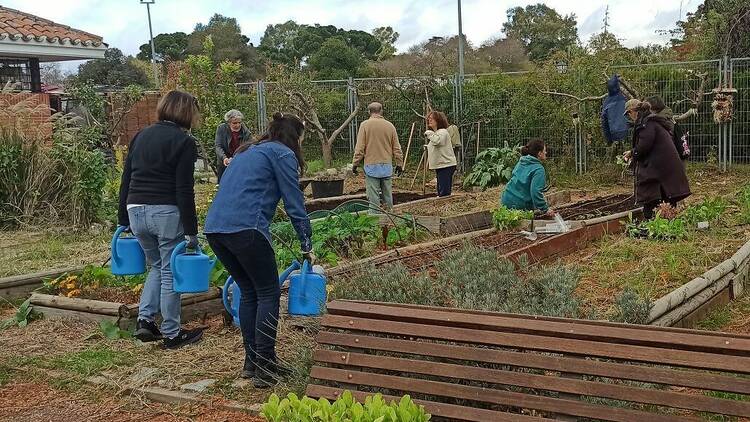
x=691, y=302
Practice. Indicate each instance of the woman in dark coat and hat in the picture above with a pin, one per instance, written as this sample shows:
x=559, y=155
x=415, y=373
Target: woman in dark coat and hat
x=659, y=173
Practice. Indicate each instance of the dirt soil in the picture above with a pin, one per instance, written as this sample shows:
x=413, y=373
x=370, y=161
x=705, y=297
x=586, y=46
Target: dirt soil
x=32, y=401
x=456, y=205
x=598, y=207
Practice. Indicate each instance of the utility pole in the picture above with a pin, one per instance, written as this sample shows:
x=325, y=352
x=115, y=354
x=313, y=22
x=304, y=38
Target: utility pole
x=148, y=4
x=460, y=44
x=606, y=20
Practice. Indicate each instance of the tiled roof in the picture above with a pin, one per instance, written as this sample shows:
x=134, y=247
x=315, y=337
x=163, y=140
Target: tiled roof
x=19, y=26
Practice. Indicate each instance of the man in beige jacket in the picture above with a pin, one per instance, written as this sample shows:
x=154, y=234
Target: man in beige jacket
x=377, y=145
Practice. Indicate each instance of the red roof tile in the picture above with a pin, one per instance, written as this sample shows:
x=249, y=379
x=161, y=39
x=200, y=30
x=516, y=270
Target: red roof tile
x=16, y=22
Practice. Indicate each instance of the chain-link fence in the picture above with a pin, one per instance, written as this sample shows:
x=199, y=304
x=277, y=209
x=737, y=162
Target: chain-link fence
x=494, y=110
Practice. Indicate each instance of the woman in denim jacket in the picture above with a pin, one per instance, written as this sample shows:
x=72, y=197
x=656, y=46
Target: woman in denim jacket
x=237, y=228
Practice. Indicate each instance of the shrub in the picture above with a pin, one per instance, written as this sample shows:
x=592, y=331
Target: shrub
x=493, y=167
x=631, y=308
x=345, y=408
x=391, y=283
x=658, y=228
x=708, y=210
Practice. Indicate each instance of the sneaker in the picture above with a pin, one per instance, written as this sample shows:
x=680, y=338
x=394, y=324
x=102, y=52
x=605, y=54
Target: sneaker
x=184, y=337
x=147, y=331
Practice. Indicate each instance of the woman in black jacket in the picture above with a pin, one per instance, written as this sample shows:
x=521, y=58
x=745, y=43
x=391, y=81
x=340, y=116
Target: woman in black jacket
x=229, y=136
x=659, y=173
x=157, y=203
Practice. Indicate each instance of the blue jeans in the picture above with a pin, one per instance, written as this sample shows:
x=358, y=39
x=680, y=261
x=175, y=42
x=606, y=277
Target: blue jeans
x=159, y=230
x=251, y=262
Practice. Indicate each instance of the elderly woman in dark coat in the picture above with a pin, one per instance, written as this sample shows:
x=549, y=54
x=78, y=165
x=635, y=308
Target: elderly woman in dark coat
x=229, y=136
x=659, y=172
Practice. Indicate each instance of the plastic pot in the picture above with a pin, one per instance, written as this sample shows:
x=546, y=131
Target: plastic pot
x=327, y=188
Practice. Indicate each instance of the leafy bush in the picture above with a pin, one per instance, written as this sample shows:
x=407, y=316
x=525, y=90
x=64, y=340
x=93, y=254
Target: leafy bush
x=631, y=308
x=493, y=167
x=391, y=283
x=345, y=408
x=658, y=228
x=505, y=218
x=708, y=210
x=469, y=278
x=338, y=235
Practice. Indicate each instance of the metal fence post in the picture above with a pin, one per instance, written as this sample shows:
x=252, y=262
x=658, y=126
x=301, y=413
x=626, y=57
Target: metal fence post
x=458, y=107
x=351, y=96
x=260, y=93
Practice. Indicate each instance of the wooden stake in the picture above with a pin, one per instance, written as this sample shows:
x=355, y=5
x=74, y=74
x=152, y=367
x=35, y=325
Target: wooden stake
x=424, y=175
x=408, y=146
x=416, y=173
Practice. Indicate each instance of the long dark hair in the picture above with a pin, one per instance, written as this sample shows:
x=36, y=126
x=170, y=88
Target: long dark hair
x=533, y=147
x=286, y=129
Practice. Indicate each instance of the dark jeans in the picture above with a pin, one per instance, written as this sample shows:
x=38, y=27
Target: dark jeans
x=445, y=180
x=250, y=260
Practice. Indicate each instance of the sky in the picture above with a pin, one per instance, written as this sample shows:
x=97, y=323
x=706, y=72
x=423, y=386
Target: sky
x=124, y=23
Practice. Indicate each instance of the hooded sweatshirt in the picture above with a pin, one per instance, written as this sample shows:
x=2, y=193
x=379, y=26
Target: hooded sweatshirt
x=525, y=190
x=614, y=123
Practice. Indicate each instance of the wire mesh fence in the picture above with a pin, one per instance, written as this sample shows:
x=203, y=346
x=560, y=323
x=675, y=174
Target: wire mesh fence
x=739, y=133
x=495, y=110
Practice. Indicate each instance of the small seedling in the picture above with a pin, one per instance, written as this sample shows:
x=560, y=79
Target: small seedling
x=24, y=315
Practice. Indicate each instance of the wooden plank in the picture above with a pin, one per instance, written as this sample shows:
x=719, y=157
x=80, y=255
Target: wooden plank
x=37, y=277
x=57, y=313
x=644, y=373
x=484, y=395
x=78, y=304
x=18, y=292
x=720, y=299
x=479, y=220
x=538, y=382
x=200, y=310
x=443, y=410
x=499, y=322
x=601, y=323
x=698, y=360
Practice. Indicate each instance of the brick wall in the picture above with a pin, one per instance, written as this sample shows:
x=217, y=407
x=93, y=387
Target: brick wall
x=141, y=115
x=27, y=113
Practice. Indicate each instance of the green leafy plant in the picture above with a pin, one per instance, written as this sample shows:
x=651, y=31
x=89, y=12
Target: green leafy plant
x=744, y=200
x=711, y=209
x=406, y=229
x=658, y=228
x=345, y=408
x=91, y=278
x=493, y=167
x=505, y=218
x=24, y=314
x=111, y=331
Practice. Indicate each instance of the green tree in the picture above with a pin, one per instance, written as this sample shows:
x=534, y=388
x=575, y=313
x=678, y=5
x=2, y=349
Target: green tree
x=716, y=29
x=114, y=69
x=278, y=43
x=168, y=46
x=335, y=60
x=229, y=45
x=541, y=29
x=387, y=37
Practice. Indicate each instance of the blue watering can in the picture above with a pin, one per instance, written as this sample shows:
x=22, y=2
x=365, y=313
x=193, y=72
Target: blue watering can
x=190, y=271
x=299, y=285
x=127, y=255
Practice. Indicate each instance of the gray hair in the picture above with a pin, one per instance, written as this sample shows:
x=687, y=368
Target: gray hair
x=375, y=108
x=233, y=114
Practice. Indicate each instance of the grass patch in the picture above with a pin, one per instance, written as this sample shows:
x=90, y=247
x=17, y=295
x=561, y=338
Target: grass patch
x=91, y=361
x=6, y=374
x=716, y=320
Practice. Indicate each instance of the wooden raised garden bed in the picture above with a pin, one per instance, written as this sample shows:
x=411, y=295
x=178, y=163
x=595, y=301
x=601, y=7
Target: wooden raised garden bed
x=194, y=306
x=21, y=286
x=461, y=213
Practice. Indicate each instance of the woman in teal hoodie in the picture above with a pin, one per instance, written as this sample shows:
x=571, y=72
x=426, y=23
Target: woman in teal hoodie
x=525, y=190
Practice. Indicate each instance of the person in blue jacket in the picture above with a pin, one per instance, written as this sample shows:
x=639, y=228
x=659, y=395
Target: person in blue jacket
x=525, y=190
x=237, y=228
x=614, y=124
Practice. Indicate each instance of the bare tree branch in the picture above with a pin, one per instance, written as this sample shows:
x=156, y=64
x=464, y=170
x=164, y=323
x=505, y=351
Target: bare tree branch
x=691, y=112
x=571, y=96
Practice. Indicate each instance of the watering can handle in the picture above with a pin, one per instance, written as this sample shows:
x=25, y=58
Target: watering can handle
x=305, y=269
x=118, y=232
x=294, y=266
x=180, y=248
x=225, y=296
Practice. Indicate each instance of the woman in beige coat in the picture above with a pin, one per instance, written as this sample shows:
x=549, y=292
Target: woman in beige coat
x=440, y=156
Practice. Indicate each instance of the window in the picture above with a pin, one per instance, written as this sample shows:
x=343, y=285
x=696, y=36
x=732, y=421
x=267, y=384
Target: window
x=16, y=71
